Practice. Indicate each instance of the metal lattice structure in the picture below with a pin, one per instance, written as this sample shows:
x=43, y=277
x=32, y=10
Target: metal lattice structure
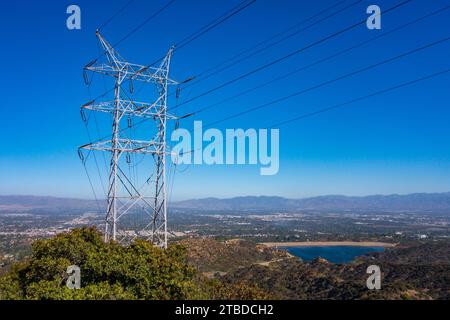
x=123, y=196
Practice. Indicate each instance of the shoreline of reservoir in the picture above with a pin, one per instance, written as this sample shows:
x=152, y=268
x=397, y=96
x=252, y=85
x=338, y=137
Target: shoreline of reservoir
x=330, y=244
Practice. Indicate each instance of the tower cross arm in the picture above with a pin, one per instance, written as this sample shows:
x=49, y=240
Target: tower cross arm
x=127, y=145
x=134, y=108
x=130, y=71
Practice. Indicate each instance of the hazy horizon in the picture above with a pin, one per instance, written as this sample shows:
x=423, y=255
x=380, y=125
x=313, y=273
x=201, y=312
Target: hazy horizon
x=236, y=196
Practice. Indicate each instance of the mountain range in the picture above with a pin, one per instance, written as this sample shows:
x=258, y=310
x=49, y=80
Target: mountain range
x=395, y=202
x=409, y=202
x=22, y=202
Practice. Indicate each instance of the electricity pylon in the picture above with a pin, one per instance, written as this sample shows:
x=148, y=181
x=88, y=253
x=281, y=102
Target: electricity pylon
x=118, y=205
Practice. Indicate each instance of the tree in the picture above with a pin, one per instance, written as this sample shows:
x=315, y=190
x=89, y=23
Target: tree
x=108, y=270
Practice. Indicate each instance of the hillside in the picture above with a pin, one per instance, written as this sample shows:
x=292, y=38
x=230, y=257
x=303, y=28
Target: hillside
x=417, y=272
x=210, y=256
x=211, y=269
x=110, y=271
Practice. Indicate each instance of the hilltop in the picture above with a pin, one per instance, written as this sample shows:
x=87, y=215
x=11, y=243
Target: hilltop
x=211, y=256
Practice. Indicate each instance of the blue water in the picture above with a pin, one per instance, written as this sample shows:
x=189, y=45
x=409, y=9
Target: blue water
x=335, y=254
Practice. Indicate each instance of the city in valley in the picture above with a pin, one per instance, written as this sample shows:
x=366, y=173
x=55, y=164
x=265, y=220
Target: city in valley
x=24, y=219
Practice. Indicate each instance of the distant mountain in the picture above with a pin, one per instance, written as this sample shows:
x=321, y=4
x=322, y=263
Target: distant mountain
x=44, y=202
x=409, y=202
x=238, y=203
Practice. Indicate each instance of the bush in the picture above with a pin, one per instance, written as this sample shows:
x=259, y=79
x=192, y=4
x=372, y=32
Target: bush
x=108, y=270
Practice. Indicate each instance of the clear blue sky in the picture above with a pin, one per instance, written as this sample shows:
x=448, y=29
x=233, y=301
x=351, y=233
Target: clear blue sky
x=393, y=143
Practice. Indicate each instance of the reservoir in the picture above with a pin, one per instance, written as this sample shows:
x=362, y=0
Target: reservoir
x=335, y=254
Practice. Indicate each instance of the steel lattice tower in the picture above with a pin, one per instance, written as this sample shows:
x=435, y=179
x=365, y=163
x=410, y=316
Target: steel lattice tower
x=155, y=205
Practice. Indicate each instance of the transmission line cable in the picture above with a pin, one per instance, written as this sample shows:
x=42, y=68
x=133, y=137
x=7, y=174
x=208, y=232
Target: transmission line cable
x=143, y=23
x=139, y=26
x=235, y=10
x=347, y=75
x=441, y=10
x=121, y=9
x=340, y=105
x=317, y=62
x=224, y=66
x=404, y=84
x=208, y=27
x=267, y=40
x=240, y=7
x=295, y=52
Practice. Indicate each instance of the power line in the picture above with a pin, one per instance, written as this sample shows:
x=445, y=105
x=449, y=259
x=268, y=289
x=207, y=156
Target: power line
x=208, y=27
x=143, y=23
x=95, y=158
x=340, y=105
x=268, y=39
x=222, y=19
x=135, y=29
x=265, y=66
x=211, y=25
x=138, y=27
x=232, y=64
x=317, y=62
x=92, y=186
x=235, y=10
x=86, y=122
x=121, y=9
x=347, y=75
x=314, y=63
x=404, y=84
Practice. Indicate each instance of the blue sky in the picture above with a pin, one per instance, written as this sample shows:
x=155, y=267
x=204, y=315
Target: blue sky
x=393, y=143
